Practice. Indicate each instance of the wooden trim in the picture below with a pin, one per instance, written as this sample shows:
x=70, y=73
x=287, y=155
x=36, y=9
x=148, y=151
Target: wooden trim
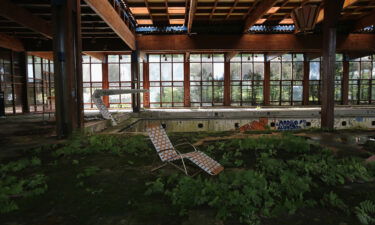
x=105, y=78
x=253, y=42
x=305, y=82
x=258, y=13
x=347, y=3
x=105, y=10
x=227, y=99
x=44, y=55
x=192, y=8
x=11, y=43
x=146, y=84
x=97, y=55
x=22, y=16
x=186, y=82
x=266, y=84
x=345, y=82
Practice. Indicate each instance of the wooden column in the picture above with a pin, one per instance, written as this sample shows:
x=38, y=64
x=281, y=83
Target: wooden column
x=332, y=11
x=227, y=80
x=186, y=81
x=266, y=85
x=67, y=66
x=23, y=73
x=345, y=82
x=306, y=75
x=146, y=84
x=105, y=79
x=136, y=100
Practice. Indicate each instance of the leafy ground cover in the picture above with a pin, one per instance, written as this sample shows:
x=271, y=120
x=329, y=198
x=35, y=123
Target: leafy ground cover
x=106, y=179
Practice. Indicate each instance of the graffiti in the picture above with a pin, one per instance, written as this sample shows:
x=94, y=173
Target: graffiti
x=291, y=124
x=255, y=125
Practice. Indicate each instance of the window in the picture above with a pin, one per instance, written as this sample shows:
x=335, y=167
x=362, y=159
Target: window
x=166, y=75
x=92, y=79
x=286, y=80
x=119, y=77
x=361, y=80
x=247, y=79
x=40, y=84
x=315, y=80
x=206, y=79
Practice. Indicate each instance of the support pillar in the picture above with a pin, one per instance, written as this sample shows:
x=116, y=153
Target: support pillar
x=345, y=82
x=186, y=81
x=23, y=73
x=67, y=50
x=146, y=84
x=227, y=81
x=332, y=11
x=136, y=100
x=105, y=84
x=266, y=85
x=306, y=77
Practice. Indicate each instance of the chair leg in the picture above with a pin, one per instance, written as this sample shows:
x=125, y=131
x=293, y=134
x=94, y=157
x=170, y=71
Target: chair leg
x=183, y=170
x=159, y=167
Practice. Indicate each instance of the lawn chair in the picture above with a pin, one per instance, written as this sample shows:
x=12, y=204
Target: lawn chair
x=168, y=153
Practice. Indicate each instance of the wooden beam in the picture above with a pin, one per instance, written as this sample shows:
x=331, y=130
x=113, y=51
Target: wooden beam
x=314, y=55
x=345, y=82
x=256, y=14
x=12, y=43
x=332, y=9
x=230, y=55
x=44, y=55
x=305, y=82
x=355, y=55
x=270, y=56
x=22, y=16
x=365, y=21
x=105, y=10
x=347, y=3
x=192, y=8
x=97, y=55
x=266, y=85
x=227, y=79
x=186, y=81
x=146, y=84
x=253, y=43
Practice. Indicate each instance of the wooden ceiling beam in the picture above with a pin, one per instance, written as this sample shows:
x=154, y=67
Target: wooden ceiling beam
x=44, y=55
x=22, y=16
x=97, y=55
x=258, y=13
x=365, y=21
x=230, y=55
x=347, y=3
x=105, y=10
x=253, y=43
x=192, y=8
x=11, y=43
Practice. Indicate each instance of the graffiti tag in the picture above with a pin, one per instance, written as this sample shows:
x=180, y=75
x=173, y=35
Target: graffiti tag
x=290, y=124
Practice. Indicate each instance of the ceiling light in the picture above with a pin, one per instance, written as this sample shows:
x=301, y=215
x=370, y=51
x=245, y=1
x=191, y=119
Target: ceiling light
x=260, y=21
x=144, y=22
x=273, y=10
x=177, y=21
x=139, y=10
x=287, y=21
x=176, y=10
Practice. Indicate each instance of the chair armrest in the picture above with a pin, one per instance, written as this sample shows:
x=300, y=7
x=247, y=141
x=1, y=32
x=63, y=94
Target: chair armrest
x=186, y=143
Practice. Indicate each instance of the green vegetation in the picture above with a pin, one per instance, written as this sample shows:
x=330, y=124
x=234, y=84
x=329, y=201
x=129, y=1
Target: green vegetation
x=106, y=179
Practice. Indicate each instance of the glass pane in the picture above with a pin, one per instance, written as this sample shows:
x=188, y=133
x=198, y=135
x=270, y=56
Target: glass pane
x=207, y=71
x=166, y=71
x=154, y=58
x=247, y=71
x=258, y=71
x=235, y=71
x=195, y=71
x=154, y=71
x=178, y=71
x=298, y=71
x=113, y=72
x=96, y=72
x=314, y=71
x=195, y=57
x=275, y=71
x=287, y=71
x=219, y=71
x=125, y=72
x=86, y=72
x=178, y=58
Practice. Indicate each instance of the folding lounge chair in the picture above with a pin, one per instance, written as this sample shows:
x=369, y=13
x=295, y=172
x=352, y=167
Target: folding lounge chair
x=168, y=153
